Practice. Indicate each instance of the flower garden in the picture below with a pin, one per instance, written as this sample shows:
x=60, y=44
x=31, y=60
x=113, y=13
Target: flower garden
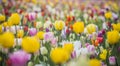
x=59, y=33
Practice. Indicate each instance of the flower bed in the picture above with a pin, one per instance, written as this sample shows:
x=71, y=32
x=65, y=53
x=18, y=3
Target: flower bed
x=59, y=33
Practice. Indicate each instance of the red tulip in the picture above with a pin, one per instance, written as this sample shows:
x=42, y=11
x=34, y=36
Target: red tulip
x=100, y=39
x=26, y=28
x=68, y=31
x=69, y=18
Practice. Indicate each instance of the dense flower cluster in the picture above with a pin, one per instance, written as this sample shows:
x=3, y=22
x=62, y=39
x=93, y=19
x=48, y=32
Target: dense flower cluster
x=59, y=33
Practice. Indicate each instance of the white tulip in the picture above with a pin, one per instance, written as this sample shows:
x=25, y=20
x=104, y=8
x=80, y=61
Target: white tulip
x=43, y=50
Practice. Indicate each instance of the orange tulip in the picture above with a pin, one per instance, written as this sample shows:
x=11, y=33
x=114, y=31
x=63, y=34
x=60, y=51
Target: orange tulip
x=96, y=43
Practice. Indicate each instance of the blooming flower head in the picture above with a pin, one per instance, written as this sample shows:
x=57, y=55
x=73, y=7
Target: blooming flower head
x=54, y=41
x=116, y=27
x=69, y=47
x=103, y=54
x=59, y=25
x=94, y=62
x=91, y=28
x=108, y=15
x=59, y=55
x=32, y=31
x=14, y=18
x=78, y=27
x=7, y=39
x=48, y=36
x=113, y=37
x=43, y=50
x=38, y=24
x=40, y=35
x=112, y=60
x=2, y=18
x=30, y=44
x=31, y=16
x=91, y=49
x=19, y=58
x=20, y=33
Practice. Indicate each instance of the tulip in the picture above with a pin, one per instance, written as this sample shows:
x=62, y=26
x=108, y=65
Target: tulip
x=19, y=58
x=43, y=50
x=112, y=60
x=48, y=36
x=100, y=39
x=54, y=41
x=47, y=30
x=26, y=28
x=100, y=34
x=31, y=16
x=91, y=49
x=32, y=31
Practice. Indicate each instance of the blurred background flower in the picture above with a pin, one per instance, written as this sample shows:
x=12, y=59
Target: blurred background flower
x=19, y=58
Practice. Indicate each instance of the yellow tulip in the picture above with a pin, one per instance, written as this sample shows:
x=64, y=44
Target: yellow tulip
x=94, y=62
x=14, y=18
x=91, y=28
x=7, y=39
x=78, y=27
x=30, y=44
x=59, y=55
x=2, y=18
x=20, y=33
x=69, y=47
x=108, y=15
x=59, y=25
x=40, y=35
x=113, y=37
x=116, y=27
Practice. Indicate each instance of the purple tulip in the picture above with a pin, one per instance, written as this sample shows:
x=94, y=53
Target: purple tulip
x=32, y=31
x=87, y=44
x=112, y=60
x=19, y=58
x=102, y=12
x=115, y=16
x=100, y=34
x=31, y=16
x=91, y=49
x=48, y=36
x=47, y=30
x=103, y=64
x=89, y=36
x=54, y=41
